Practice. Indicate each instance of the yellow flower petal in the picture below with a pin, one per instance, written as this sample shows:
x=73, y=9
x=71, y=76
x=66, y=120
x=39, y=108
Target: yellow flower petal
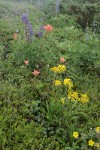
x=63, y=100
x=68, y=82
x=57, y=83
x=84, y=98
x=97, y=129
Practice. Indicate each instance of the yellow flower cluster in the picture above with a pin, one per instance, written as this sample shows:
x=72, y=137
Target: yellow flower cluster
x=57, y=83
x=84, y=98
x=73, y=96
x=90, y=142
x=68, y=82
x=59, y=69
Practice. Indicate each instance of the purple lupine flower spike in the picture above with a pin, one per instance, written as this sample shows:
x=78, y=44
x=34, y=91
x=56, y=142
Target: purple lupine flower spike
x=57, y=7
x=40, y=31
x=40, y=34
x=41, y=28
x=28, y=32
x=30, y=29
x=25, y=18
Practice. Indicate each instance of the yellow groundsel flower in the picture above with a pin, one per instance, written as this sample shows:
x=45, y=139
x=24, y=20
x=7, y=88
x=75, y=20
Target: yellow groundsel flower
x=73, y=96
x=75, y=135
x=59, y=69
x=97, y=129
x=69, y=95
x=84, y=98
x=57, y=83
x=68, y=82
x=90, y=142
x=63, y=100
x=97, y=145
x=54, y=69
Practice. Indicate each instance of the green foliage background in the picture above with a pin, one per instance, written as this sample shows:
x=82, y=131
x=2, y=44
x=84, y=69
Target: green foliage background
x=31, y=114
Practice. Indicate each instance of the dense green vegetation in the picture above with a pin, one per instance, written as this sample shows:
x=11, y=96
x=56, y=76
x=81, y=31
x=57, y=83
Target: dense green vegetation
x=49, y=93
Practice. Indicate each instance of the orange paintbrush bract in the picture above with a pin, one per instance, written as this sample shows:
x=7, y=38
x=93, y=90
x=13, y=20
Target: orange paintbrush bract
x=26, y=62
x=36, y=73
x=62, y=60
x=48, y=28
x=15, y=36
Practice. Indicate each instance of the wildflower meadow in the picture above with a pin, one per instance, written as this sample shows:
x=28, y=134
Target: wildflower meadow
x=49, y=75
